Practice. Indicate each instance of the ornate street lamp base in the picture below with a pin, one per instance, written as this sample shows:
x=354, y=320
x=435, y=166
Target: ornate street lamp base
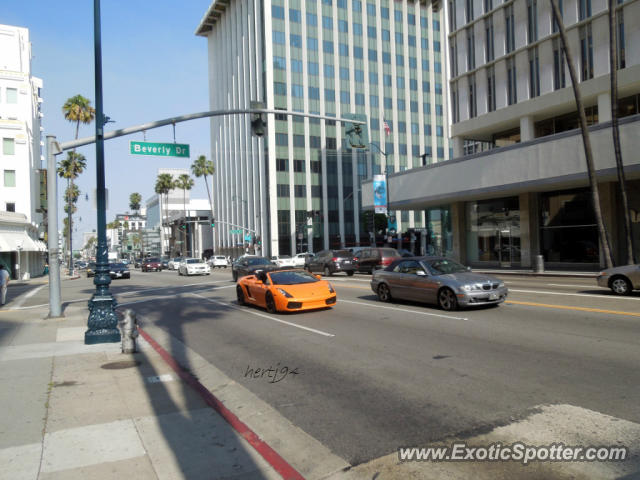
x=103, y=321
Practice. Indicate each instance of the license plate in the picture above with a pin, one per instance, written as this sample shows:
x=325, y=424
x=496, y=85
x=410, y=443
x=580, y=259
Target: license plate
x=347, y=261
x=493, y=296
x=118, y=274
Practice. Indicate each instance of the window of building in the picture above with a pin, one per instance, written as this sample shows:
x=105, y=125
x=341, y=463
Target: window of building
x=357, y=29
x=327, y=46
x=559, y=79
x=386, y=58
x=278, y=37
x=357, y=52
x=566, y=122
x=510, y=36
x=413, y=106
x=282, y=190
x=329, y=95
x=584, y=9
x=473, y=108
x=622, y=61
x=298, y=141
x=586, y=53
x=386, y=35
x=411, y=40
x=371, y=9
x=373, y=78
x=345, y=97
x=313, y=68
x=532, y=21
x=534, y=73
x=316, y=167
x=8, y=146
x=295, y=40
x=282, y=140
x=299, y=191
x=413, y=62
x=491, y=89
x=629, y=106
x=512, y=89
x=279, y=63
x=452, y=15
x=554, y=24
x=296, y=66
x=413, y=84
x=12, y=95
x=329, y=71
x=399, y=38
x=436, y=46
x=314, y=141
x=9, y=178
x=343, y=49
x=356, y=5
x=277, y=12
x=312, y=20
x=471, y=50
x=312, y=44
x=399, y=60
x=10, y=207
x=294, y=15
x=469, y=10
x=489, y=51
x=343, y=26
x=327, y=22
x=331, y=143
x=297, y=91
x=282, y=165
x=493, y=231
x=488, y=6
x=453, y=57
x=425, y=64
x=344, y=73
x=401, y=105
x=359, y=98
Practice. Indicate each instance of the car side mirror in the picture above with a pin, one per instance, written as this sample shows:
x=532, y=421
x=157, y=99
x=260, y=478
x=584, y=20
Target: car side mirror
x=421, y=273
x=319, y=277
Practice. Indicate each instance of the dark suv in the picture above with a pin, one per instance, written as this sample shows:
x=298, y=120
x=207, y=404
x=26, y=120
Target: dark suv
x=332, y=261
x=370, y=259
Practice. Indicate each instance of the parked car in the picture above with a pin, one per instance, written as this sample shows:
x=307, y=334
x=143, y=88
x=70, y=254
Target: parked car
x=80, y=264
x=152, y=264
x=437, y=280
x=285, y=290
x=405, y=253
x=283, y=260
x=332, y=261
x=218, y=261
x=372, y=258
x=193, y=266
x=247, y=264
x=621, y=280
x=165, y=263
x=301, y=259
x=91, y=269
x=174, y=263
x=119, y=270
x=137, y=263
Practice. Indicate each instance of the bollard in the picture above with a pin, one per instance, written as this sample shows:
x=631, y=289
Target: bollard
x=129, y=327
x=539, y=264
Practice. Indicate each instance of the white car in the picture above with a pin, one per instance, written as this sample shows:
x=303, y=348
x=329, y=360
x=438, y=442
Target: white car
x=174, y=263
x=283, y=260
x=301, y=259
x=193, y=266
x=218, y=261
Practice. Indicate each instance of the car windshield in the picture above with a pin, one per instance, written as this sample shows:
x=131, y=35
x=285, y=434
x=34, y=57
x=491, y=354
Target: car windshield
x=193, y=260
x=342, y=253
x=444, y=266
x=153, y=259
x=259, y=261
x=117, y=265
x=294, y=277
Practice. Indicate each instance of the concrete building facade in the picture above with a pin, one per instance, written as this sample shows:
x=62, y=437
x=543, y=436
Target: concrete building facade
x=329, y=57
x=23, y=180
x=517, y=186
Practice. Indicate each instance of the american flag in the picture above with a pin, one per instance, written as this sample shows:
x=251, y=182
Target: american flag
x=387, y=128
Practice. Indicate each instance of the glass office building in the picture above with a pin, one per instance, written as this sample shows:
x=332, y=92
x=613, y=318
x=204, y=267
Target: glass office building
x=298, y=188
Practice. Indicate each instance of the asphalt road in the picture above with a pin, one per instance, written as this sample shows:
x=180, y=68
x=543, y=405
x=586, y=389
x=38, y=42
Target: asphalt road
x=372, y=377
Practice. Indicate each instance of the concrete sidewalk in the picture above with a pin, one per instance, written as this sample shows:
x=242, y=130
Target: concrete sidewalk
x=88, y=411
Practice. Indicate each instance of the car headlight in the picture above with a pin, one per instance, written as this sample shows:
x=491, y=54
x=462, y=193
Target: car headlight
x=112, y=271
x=285, y=293
x=470, y=288
x=331, y=290
x=501, y=284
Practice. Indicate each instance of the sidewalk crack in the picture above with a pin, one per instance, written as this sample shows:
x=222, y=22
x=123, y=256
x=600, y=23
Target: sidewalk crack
x=46, y=415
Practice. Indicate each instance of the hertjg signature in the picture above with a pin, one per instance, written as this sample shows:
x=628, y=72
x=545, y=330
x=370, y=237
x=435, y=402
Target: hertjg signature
x=271, y=372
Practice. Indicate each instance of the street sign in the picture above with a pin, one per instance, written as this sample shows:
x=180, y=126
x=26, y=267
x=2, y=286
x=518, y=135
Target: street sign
x=247, y=237
x=237, y=231
x=159, y=149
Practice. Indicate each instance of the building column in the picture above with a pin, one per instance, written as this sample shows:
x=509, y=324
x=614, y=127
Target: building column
x=458, y=232
x=610, y=218
x=604, y=107
x=458, y=147
x=529, y=232
x=527, y=129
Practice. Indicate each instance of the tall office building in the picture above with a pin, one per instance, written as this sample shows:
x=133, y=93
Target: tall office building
x=379, y=58
x=517, y=186
x=23, y=182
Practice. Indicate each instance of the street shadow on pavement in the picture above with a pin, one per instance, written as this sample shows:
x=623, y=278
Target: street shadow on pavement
x=200, y=441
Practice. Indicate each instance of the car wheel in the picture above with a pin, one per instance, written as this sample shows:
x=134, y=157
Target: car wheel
x=384, y=294
x=235, y=276
x=350, y=273
x=327, y=272
x=270, y=303
x=447, y=300
x=620, y=286
x=240, y=295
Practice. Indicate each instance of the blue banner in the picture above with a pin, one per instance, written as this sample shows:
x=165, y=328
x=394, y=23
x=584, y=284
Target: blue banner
x=380, y=193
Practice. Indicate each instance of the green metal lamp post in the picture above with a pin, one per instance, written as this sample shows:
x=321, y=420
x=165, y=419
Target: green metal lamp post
x=103, y=322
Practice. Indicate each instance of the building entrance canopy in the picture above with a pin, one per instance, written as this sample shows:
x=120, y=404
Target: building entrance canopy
x=14, y=241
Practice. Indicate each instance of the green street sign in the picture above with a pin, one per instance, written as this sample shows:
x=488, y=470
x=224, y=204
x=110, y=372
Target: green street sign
x=237, y=231
x=159, y=149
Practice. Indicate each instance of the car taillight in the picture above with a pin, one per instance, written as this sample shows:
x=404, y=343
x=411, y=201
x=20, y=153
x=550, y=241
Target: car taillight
x=334, y=259
x=355, y=259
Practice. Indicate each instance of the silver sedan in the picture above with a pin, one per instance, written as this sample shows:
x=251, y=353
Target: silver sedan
x=621, y=280
x=437, y=280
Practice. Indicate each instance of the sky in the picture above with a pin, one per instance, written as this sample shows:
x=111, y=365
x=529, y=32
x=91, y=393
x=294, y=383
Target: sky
x=154, y=67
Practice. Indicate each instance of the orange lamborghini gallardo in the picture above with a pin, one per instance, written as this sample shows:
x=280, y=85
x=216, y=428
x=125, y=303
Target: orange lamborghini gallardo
x=285, y=291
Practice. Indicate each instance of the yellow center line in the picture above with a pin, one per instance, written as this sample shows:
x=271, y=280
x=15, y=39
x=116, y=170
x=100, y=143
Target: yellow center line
x=581, y=309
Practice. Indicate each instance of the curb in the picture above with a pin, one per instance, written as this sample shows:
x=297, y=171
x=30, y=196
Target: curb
x=271, y=456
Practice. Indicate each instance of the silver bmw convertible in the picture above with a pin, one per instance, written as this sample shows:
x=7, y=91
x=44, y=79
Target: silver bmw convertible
x=437, y=280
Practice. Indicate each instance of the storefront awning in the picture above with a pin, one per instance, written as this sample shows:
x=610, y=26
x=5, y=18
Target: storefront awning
x=14, y=241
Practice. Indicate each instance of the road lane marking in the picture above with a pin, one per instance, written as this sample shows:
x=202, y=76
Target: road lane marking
x=609, y=297
x=258, y=314
x=578, y=286
x=133, y=292
x=581, y=309
x=23, y=298
x=374, y=305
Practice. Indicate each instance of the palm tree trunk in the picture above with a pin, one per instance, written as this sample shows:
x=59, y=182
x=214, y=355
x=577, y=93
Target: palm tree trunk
x=70, y=221
x=213, y=235
x=602, y=229
x=613, y=67
x=184, y=234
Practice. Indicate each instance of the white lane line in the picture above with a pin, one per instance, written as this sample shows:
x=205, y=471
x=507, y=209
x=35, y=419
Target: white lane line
x=258, y=314
x=578, y=286
x=607, y=297
x=26, y=296
x=374, y=305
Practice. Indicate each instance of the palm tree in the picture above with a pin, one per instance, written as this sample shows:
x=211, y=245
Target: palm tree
x=586, y=141
x=185, y=182
x=134, y=202
x=78, y=110
x=70, y=168
x=615, y=130
x=164, y=184
x=202, y=167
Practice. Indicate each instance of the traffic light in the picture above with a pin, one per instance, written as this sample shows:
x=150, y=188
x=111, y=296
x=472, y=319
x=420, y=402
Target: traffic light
x=213, y=222
x=258, y=121
x=356, y=133
x=259, y=240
